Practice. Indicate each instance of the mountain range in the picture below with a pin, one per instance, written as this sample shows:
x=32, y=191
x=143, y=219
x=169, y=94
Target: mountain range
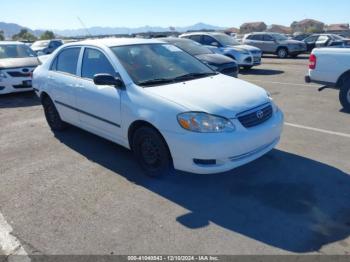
x=10, y=29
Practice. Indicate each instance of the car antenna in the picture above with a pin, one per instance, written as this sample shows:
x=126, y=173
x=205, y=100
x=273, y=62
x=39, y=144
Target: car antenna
x=84, y=26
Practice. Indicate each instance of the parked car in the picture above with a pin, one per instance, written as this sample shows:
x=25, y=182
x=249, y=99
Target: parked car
x=301, y=37
x=159, y=101
x=275, y=43
x=325, y=40
x=219, y=63
x=17, y=62
x=331, y=67
x=245, y=55
x=46, y=47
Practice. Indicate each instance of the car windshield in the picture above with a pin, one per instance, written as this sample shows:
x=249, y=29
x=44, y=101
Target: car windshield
x=225, y=39
x=192, y=47
x=40, y=44
x=157, y=64
x=15, y=51
x=279, y=37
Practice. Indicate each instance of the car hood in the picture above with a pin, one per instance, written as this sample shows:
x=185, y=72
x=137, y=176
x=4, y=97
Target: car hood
x=38, y=48
x=216, y=59
x=220, y=95
x=18, y=62
x=246, y=47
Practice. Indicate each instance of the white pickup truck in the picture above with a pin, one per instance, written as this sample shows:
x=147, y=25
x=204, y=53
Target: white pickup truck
x=331, y=67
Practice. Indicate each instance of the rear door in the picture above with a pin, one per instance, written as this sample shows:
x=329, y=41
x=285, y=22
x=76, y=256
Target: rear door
x=268, y=43
x=256, y=40
x=62, y=79
x=99, y=106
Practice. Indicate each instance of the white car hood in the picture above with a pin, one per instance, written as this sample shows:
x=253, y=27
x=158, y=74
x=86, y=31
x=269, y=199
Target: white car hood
x=247, y=47
x=221, y=95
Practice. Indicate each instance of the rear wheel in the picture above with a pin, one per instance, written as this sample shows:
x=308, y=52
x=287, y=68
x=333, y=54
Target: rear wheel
x=52, y=117
x=344, y=95
x=282, y=52
x=151, y=152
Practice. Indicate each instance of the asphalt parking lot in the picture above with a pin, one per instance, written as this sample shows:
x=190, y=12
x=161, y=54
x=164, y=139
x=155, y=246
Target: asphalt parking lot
x=75, y=193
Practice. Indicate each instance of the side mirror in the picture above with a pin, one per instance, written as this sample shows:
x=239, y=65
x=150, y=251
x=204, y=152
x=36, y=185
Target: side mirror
x=108, y=80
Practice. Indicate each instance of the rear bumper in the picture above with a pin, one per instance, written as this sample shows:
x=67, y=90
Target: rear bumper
x=309, y=80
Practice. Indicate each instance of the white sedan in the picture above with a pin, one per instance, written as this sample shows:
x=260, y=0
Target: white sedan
x=166, y=106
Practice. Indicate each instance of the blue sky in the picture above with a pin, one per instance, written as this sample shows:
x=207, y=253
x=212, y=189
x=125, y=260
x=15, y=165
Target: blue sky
x=62, y=14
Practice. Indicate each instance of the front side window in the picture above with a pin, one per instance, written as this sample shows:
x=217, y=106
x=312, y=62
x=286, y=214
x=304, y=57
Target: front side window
x=15, y=51
x=268, y=38
x=95, y=62
x=208, y=40
x=151, y=64
x=196, y=38
x=67, y=61
x=311, y=39
x=226, y=40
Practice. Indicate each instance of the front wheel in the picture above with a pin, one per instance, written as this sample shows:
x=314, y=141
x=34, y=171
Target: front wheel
x=51, y=114
x=282, y=53
x=344, y=95
x=151, y=152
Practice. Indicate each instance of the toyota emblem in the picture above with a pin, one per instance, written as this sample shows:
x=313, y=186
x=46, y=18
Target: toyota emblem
x=260, y=114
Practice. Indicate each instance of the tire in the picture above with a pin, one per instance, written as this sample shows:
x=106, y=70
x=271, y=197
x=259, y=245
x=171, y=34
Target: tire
x=52, y=116
x=151, y=152
x=344, y=94
x=282, y=52
x=247, y=67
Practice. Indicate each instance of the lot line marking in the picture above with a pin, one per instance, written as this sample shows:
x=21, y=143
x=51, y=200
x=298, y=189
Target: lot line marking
x=9, y=244
x=318, y=130
x=280, y=83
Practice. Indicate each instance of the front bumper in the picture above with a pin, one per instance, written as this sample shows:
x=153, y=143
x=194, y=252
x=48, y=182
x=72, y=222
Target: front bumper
x=229, y=150
x=250, y=60
x=14, y=85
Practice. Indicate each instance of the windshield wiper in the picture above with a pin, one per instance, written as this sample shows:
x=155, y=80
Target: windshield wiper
x=157, y=81
x=194, y=76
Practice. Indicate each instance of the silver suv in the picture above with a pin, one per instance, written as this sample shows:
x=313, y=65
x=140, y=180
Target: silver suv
x=274, y=43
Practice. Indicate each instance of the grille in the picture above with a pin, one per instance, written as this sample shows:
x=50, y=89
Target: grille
x=229, y=71
x=256, y=117
x=18, y=74
x=22, y=86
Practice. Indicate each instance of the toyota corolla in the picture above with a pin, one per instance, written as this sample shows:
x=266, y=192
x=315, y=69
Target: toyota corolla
x=166, y=106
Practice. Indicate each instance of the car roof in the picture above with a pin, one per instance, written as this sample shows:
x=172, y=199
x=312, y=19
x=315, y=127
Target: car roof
x=203, y=33
x=175, y=39
x=111, y=42
x=11, y=43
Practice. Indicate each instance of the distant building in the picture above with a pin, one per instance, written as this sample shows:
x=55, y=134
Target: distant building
x=279, y=29
x=341, y=29
x=253, y=27
x=231, y=30
x=308, y=26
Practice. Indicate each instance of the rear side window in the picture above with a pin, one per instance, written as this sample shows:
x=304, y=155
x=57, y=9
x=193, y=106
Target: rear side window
x=67, y=61
x=95, y=62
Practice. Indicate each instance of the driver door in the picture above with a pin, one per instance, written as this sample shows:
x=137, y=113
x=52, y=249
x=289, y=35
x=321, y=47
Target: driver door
x=99, y=106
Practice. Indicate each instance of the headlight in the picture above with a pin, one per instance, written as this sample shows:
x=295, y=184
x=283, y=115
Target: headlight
x=269, y=95
x=2, y=75
x=205, y=123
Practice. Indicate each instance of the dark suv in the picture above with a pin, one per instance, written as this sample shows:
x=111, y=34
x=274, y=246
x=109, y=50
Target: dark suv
x=45, y=47
x=274, y=43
